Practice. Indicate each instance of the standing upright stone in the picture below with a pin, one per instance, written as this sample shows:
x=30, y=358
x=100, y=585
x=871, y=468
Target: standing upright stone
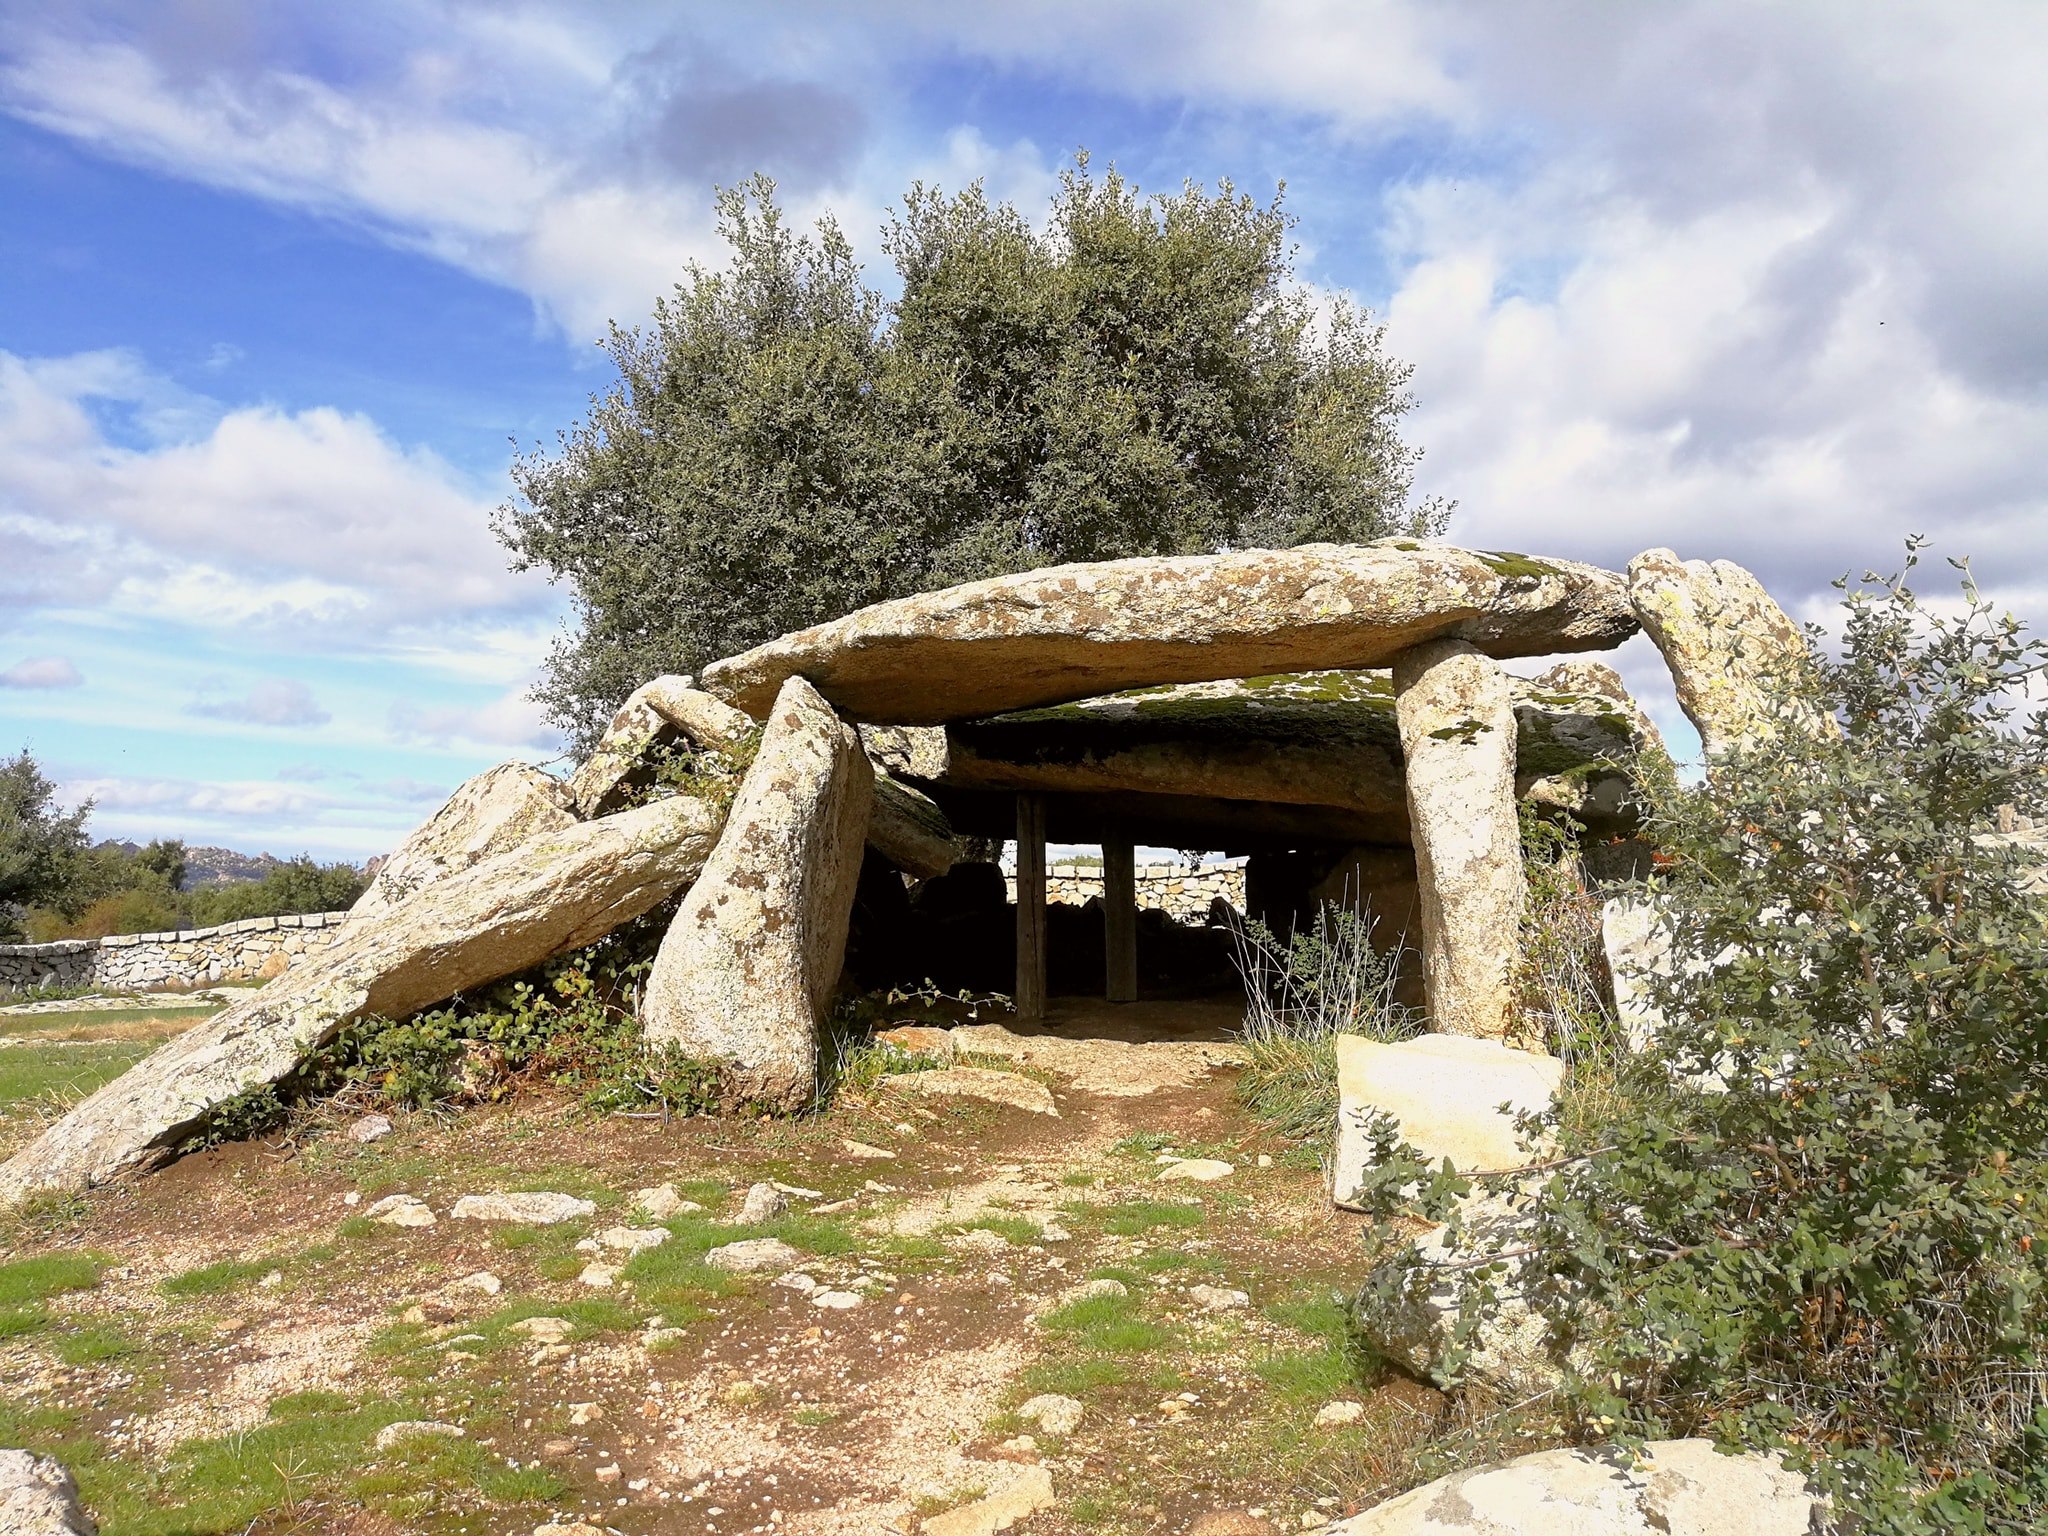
x=1725, y=640
x=748, y=966
x=1457, y=720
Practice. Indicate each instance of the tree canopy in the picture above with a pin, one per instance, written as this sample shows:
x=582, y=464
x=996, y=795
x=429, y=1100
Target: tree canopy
x=40, y=845
x=1141, y=375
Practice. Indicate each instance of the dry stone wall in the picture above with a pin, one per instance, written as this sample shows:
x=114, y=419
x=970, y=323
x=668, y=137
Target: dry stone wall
x=255, y=948
x=1168, y=887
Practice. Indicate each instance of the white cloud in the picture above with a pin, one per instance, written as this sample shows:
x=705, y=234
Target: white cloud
x=273, y=701
x=308, y=520
x=42, y=672
x=512, y=719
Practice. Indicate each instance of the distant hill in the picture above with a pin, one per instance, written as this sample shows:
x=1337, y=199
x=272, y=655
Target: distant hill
x=218, y=866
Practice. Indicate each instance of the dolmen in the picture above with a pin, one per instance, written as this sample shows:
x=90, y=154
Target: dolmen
x=1345, y=697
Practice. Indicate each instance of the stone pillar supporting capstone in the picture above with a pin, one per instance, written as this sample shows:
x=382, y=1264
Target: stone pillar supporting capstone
x=1457, y=723
x=1120, y=920
x=1030, y=907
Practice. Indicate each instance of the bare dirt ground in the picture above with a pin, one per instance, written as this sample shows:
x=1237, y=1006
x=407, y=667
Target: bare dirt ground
x=242, y=1330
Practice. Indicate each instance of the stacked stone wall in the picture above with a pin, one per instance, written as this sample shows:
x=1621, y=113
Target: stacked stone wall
x=1170, y=888
x=255, y=948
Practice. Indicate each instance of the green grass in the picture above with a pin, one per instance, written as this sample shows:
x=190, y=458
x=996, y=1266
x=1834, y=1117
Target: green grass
x=90, y=1343
x=213, y=1279
x=1107, y=1325
x=1134, y=1218
x=38, y=1279
x=1018, y=1231
x=177, y=1014
x=58, y=1074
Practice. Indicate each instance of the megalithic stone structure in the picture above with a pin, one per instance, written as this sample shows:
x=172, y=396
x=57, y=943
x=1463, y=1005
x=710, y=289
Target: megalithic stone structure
x=1457, y=721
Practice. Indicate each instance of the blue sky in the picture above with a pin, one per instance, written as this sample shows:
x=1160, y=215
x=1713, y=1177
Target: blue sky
x=280, y=284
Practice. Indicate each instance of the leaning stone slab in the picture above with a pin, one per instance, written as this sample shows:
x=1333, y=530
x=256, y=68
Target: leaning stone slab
x=747, y=968
x=1073, y=631
x=560, y=891
x=656, y=712
x=1636, y=942
x=1674, y=1488
x=1726, y=641
x=39, y=1498
x=1458, y=734
x=1444, y=1093
x=906, y=827
x=499, y=809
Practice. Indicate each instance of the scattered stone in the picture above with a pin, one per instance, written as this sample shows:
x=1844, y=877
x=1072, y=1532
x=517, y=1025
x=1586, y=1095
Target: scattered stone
x=534, y=1208
x=1094, y=1288
x=370, y=1128
x=662, y=1338
x=764, y=1203
x=798, y=1192
x=416, y=1429
x=633, y=1239
x=581, y=1414
x=753, y=1255
x=860, y=1151
x=1458, y=732
x=660, y=1201
x=992, y=1087
x=797, y=1280
x=38, y=1497
x=919, y=1040
x=1444, y=1093
x=483, y=1280
x=544, y=1330
x=569, y=1527
x=601, y=1276
x=833, y=1208
x=1025, y=1495
x=1074, y=631
x=1678, y=1488
x=1344, y=1411
x=835, y=1301
x=273, y=1280
x=1202, y=1170
x=747, y=968
x=401, y=1211
x=1232, y=1522
x=609, y=1473
x=1052, y=1413
x=1216, y=1298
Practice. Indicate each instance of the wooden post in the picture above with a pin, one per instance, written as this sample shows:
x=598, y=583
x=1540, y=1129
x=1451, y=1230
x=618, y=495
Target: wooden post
x=1120, y=920
x=1030, y=906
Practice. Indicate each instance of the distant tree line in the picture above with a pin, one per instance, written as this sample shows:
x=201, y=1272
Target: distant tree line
x=56, y=883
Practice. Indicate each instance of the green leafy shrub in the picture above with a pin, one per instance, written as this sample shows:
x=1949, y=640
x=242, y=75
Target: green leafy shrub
x=1817, y=1224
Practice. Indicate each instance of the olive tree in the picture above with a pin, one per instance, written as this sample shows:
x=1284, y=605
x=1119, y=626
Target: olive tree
x=782, y=444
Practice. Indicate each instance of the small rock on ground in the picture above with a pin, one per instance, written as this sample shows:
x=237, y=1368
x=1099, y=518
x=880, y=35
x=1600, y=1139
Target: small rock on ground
x=536, y=1208
x=1343, y=1411
x=632, y=1239
x=764, y=1203
x=753, y=1255
x=602, y=1276
x=483, y=1280
x=982, y=1083
x=860, y=1151
x=544, y=1330
x=39, y=1498
x=1203, y=1170
x=835, y=1301
x=1025, y=1495
x=1054, y=1414
x=658, y=1202
x=416, y=1429
x=370, y=1128
x=1217, y=1298
x=401, y=1211
x=1232, y=1522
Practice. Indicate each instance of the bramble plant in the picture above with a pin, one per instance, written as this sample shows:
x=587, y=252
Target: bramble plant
x=1818, y=1225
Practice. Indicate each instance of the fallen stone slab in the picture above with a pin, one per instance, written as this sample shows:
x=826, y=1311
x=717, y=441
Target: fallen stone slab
x=906, y=827
x=533, y=1208
x=1199, y=1170
x=560, y=891
x=497, y=810
x=746, y=970
x=1675, y=1488
x=38, y=1497
x=1458, y=733
x=658, y=712
x=986, y=1084
x=1073, y=631
x=1727, y=642
x=1444, y=1094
